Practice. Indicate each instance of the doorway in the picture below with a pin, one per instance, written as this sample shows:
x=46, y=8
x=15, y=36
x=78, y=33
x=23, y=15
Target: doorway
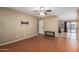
x=41, y=26
x=71, y=27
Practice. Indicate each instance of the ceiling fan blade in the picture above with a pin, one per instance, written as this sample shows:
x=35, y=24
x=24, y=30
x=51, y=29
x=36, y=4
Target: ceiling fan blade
x=45, y=13
x=35, y=11
x=48, y=10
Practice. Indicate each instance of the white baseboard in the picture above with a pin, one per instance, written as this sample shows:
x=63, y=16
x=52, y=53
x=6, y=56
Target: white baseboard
x=17, y=40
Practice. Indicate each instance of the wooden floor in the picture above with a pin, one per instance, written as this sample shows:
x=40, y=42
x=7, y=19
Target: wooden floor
x=43, y=44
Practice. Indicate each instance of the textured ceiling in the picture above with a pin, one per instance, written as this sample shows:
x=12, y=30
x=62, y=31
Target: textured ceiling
x=64, y=13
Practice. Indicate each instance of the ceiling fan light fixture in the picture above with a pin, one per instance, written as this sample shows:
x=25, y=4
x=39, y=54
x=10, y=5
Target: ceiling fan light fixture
x=42, y=13
x=42, y=9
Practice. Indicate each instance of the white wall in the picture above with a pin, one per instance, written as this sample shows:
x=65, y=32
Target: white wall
x=11, y=28
x=51, y=24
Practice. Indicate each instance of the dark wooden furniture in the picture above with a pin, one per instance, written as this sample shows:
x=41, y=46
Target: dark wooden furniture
x=49, y=33
x=65, y=26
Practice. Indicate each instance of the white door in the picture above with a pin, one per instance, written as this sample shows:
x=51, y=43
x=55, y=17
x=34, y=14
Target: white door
x=41, y=28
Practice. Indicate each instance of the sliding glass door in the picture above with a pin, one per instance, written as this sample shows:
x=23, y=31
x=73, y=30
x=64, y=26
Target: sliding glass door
x=71, y=27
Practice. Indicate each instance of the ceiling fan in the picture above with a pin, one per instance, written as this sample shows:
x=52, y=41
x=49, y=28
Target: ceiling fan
x=42, y=11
